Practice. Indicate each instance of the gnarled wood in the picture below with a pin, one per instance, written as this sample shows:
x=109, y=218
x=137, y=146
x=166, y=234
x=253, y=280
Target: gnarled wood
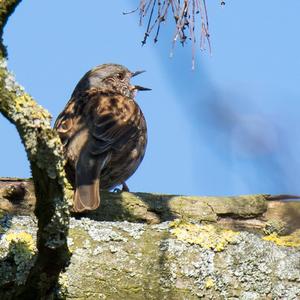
x=250, y=212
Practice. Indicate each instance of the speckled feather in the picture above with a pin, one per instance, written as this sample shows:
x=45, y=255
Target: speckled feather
x=104, y=134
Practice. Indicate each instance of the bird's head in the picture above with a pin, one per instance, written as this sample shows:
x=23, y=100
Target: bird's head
x=112, y=76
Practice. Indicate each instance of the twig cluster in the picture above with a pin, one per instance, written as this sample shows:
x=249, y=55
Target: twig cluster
x=185, y=13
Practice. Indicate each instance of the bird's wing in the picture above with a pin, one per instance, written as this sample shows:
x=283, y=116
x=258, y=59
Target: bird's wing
x=114, y=122
x=64, y=124
x=108, y=120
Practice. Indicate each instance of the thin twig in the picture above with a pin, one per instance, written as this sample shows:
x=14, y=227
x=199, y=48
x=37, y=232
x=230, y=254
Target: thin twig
x=185, y=14
x=131, y=11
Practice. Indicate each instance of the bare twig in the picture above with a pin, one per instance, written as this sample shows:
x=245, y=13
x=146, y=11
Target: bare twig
x=185, y=14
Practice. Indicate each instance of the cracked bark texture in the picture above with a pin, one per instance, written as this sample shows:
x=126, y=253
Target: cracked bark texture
x=259, y=213
x=242, y=247
x=44, y=152
x=170, y=260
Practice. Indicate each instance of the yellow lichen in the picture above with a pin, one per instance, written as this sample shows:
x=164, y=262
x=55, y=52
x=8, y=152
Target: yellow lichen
x=209, y=283
x=25, y=101
x=207, y=236
x=69, y=192
x=22, y=250
x=292, y=240
x=22, y=240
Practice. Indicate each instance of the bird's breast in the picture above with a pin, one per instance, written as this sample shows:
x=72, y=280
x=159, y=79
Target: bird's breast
x=127, y=152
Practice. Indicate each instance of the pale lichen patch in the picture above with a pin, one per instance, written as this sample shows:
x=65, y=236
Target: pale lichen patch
x=207, y=236
x=63, y=284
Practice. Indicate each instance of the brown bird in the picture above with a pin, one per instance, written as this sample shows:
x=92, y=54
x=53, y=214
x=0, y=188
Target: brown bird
x=104, y=133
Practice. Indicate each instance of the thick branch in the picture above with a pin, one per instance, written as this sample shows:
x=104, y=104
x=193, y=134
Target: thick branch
x=171, y=260
x=251, y=212
x=44, y=152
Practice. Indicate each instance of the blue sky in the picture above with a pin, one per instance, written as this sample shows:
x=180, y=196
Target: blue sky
x=229, y=127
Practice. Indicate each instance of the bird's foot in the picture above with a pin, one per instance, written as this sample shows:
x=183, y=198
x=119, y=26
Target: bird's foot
x=124, y=188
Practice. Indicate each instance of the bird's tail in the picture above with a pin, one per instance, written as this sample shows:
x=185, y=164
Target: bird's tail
x=87, y=182
x=87, y=197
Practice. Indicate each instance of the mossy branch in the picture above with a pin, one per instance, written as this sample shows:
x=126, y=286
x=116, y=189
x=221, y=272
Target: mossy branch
x=172, y=260
x=44, y=152
x=255, y=213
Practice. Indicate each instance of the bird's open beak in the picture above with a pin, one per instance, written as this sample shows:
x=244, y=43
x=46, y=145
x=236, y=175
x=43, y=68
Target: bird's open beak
x=137, y=73
x=140, y=88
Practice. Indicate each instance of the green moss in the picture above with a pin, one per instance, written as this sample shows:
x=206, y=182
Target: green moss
x=275, y=226
x=207, y=236
x=79, y=236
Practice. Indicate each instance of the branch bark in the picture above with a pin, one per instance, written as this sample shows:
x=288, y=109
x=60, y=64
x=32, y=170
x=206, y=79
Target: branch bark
x=195, y=256
x=44, y=152
x=171, y=260
x=255, y=213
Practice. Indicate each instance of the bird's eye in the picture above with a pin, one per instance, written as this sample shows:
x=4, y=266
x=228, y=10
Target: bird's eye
x=120, y=76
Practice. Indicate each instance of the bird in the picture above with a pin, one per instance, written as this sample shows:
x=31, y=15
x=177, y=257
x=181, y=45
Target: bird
x=103, y=132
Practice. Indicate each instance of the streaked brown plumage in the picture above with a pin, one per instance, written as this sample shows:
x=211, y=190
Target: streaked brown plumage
x=104, y=133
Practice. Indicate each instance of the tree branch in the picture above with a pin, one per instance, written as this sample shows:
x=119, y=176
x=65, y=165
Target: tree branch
x=44, y=151
x=171, y=260
x=260, y=213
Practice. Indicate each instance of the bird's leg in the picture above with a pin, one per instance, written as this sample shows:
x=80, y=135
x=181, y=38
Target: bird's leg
x=116, y=190
x=125, y=187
